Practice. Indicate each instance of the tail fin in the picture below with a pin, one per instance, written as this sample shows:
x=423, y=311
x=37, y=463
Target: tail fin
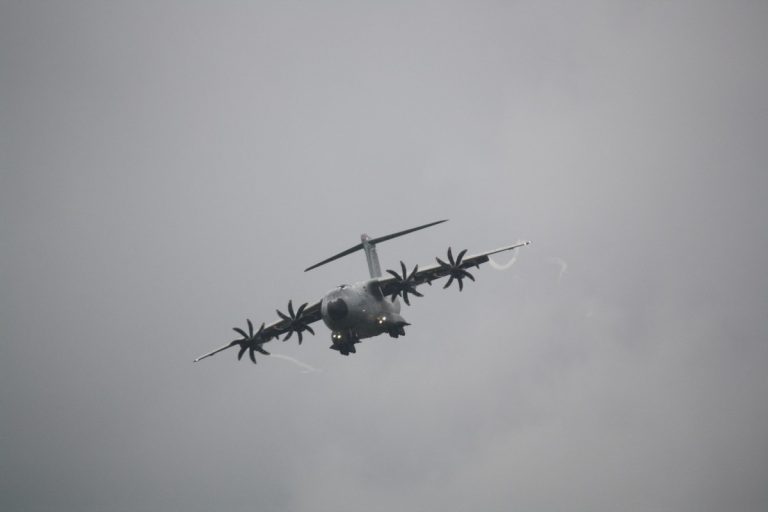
x=372, y=242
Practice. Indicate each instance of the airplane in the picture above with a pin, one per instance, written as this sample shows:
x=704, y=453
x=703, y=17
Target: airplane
x=364, y=309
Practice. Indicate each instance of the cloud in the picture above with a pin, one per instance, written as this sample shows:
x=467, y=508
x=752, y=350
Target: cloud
x=167, y=172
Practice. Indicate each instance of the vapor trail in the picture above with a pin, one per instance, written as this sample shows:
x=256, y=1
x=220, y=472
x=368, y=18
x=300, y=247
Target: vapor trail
x=497, y=266
x=305, y=368
x=502, y=267
x=563, y=266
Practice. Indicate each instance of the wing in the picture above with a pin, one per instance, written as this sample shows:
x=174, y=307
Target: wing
x=293, y=322
x=453, y=268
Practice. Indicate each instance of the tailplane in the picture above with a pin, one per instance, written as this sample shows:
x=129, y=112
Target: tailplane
x=369, y=245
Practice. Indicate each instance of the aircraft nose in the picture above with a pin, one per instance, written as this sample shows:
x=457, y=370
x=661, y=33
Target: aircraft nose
x=337, y=309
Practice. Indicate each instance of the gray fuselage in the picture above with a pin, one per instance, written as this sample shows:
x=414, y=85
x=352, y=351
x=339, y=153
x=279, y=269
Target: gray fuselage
x=360, y=311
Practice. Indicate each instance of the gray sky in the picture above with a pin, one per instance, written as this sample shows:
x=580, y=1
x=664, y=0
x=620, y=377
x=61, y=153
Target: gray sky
x=167, y=170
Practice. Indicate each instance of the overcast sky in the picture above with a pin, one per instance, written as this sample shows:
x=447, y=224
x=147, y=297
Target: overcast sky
x=168, y=169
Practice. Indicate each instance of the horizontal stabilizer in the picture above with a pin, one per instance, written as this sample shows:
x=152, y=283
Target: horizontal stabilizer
x=373, y=241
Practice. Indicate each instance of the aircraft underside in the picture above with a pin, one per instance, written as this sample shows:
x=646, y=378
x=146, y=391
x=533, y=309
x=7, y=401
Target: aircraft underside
x=359, y=311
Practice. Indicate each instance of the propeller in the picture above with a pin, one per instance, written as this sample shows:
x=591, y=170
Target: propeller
x=455, y=269
x=250, y=341
x=405, y=284
x=295, y=321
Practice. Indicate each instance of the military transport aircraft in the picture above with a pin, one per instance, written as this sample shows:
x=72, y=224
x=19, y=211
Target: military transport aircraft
x=364, y=309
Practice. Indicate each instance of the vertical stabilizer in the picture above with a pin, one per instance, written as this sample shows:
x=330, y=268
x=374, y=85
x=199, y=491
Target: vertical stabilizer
x=370, y=255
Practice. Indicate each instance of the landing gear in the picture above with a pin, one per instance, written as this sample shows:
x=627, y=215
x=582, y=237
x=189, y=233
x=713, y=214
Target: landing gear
x=344, y=342
x=397, y=329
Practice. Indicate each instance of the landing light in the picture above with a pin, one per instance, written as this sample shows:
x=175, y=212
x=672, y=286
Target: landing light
x=381, y=320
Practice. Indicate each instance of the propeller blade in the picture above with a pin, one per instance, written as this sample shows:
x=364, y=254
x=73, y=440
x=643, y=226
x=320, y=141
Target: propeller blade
x=454, y=269
x=461, y=255
x=404, y=284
